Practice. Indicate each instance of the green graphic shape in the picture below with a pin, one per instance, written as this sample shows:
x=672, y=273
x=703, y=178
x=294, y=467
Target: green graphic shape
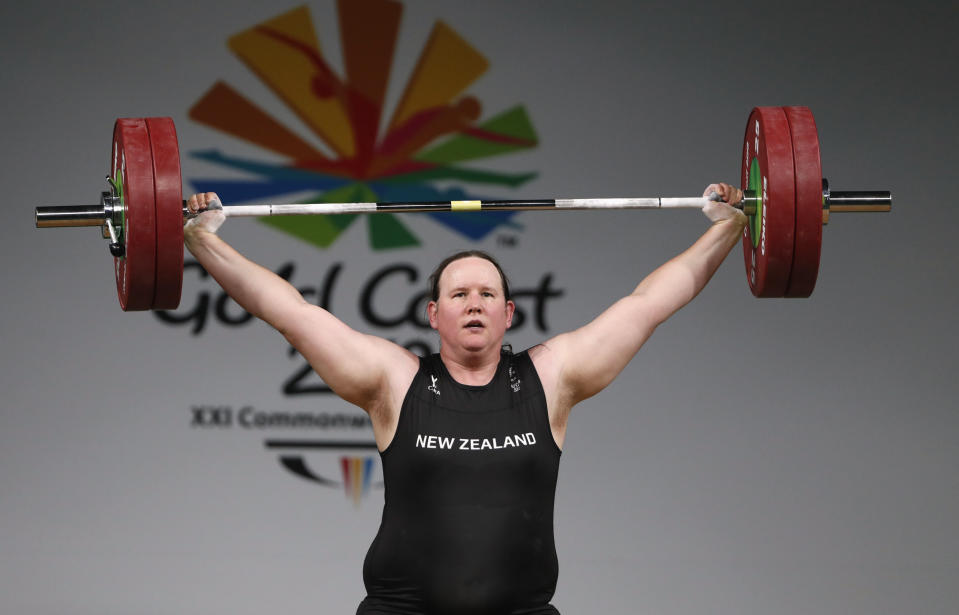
x=387, y=232
x=507, y=132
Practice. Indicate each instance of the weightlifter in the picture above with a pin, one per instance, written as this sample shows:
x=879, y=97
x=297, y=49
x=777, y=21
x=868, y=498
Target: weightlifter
x=470, y=438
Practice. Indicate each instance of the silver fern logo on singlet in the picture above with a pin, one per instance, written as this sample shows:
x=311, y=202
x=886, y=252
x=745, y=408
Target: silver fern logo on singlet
x=433, y=388
x=514, y=382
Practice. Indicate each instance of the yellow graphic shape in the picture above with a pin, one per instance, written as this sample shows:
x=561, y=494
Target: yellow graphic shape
x=285, y=53
x=447, y=66
x=356, y=476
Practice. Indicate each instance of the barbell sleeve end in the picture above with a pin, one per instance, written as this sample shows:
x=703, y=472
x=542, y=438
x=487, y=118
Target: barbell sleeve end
x=859, y=201
x=52, y=216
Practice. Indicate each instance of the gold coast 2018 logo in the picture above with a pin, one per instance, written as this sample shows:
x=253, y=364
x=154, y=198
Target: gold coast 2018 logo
x=433, y=129
x=347, y=149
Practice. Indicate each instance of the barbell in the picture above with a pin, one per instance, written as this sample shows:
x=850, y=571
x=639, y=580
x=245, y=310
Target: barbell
x=786, y=200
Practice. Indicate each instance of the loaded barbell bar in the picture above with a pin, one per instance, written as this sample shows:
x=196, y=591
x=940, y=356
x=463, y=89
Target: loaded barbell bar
x=785, y=196
x=98, y=215
x=52, y=216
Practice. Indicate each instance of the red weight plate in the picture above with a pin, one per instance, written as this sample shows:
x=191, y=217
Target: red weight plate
x=808, y=168
x=768, y=240
x=132, y=170
x=169, y=213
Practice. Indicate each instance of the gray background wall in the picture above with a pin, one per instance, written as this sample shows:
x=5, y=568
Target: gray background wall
x=757, y=456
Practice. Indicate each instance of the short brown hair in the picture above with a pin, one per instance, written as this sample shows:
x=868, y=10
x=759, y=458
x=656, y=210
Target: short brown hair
x=434, y=279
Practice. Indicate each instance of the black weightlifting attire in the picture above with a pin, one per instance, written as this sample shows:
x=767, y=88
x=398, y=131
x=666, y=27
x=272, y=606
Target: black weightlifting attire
x=470, y=480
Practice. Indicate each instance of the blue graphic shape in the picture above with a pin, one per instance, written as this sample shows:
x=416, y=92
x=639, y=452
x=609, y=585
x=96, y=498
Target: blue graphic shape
x=279, y=179
x=367, y=473
x=236, y=191
x=260, y=168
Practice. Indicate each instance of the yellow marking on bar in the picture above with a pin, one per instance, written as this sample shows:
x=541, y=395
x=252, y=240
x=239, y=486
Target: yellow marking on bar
x=466, y=205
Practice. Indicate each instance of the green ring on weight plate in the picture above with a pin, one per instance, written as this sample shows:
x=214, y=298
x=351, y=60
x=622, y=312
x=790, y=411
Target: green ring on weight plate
x=117, y=184
x=754, y=186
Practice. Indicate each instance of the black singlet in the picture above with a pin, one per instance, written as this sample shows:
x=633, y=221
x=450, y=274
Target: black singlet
x=470, y=480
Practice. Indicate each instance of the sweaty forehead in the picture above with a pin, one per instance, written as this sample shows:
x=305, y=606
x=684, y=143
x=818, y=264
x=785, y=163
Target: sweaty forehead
x=469, y=272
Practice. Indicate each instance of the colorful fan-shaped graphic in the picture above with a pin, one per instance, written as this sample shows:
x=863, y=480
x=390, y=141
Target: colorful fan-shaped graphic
x=434, y=128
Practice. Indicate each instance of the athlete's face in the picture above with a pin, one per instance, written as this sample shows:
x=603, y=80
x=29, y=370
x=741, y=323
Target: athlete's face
x=471, y=312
